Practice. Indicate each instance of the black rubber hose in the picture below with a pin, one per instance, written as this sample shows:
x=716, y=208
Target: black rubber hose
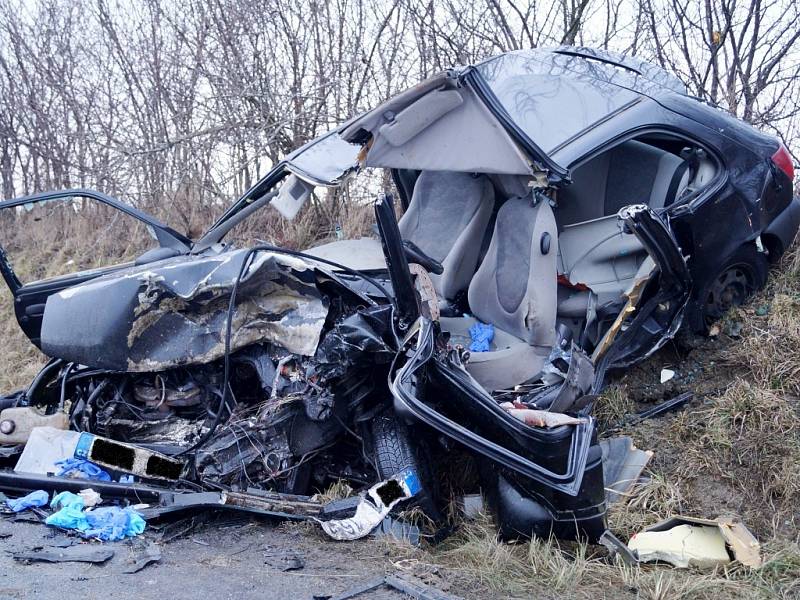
x=52, y=364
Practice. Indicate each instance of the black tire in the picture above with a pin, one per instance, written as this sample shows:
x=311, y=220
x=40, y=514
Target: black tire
x=742, y=275
x=395, y=453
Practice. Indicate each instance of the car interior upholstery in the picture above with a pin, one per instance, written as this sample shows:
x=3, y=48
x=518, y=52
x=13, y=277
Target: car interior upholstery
x=447, y=218
x=525, y=266
x=515, y=290
x=594, y=251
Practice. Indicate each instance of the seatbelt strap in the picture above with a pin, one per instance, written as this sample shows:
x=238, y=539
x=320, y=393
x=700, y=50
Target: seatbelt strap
x=672, y=190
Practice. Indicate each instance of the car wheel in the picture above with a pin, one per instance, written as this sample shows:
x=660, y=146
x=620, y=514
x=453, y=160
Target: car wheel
x=394, y=453
x=744, y=273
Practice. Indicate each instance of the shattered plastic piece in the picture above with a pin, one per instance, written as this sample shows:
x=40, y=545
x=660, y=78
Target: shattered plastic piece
x=32, y=500
x=88, y=553
x=690, y=541
x=482, y=335
x=578, y=382
x=617, y=547
x=666, y=375
x=682, y=546
x=399, y=530
x=374, y=506
x=665, y=406
x=623, y=464
x=80, y=468
x=472, y=505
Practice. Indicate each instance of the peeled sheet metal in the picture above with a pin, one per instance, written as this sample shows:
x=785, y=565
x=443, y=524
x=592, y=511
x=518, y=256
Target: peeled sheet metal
x=174, y=312
x=623, y=464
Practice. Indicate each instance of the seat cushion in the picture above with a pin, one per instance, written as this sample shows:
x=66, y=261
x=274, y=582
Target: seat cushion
x=509, y=362
x=631, y=173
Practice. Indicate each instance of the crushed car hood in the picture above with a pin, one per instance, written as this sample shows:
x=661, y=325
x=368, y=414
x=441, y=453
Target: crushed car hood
x=173, y=312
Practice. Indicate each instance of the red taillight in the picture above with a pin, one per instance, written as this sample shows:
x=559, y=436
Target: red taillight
x=783, y=160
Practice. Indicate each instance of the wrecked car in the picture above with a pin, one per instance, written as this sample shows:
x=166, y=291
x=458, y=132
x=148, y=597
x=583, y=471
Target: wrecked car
x=565, y=212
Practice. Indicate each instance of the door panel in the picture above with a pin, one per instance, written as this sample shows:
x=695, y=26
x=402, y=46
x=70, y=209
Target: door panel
x=54, y=240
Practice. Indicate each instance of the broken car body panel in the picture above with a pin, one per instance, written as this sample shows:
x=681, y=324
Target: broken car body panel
x=174, y=312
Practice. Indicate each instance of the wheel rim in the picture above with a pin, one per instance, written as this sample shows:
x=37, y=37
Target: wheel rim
x=731, y=288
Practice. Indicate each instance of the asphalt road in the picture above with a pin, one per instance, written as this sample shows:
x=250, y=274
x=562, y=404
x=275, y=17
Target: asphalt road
x=223, y=558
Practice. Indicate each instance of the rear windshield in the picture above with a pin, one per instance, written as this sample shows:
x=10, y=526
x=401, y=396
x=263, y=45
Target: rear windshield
x=554, y=97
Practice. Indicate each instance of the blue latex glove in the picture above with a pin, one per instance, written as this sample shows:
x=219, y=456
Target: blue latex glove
x=109, y=523
x=482, y=335
x=68, y=517
x=77, y=467
x=67, y=500
x=34, y=499
x=113, y=523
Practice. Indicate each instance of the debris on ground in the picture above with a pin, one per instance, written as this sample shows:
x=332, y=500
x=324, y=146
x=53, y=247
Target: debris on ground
x=692, y=542
x=283, y=560
x=107, y=523
x=149, y=555
x=373, y=507
x=51, y=450
x=90, y=497
x=399, y=530
x=472, y=505
x=88, y=553
x=623, y=464
x=405, y=585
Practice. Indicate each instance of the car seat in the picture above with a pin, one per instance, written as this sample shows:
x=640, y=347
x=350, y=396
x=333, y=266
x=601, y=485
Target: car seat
x=447, y=219
x=514, y=289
